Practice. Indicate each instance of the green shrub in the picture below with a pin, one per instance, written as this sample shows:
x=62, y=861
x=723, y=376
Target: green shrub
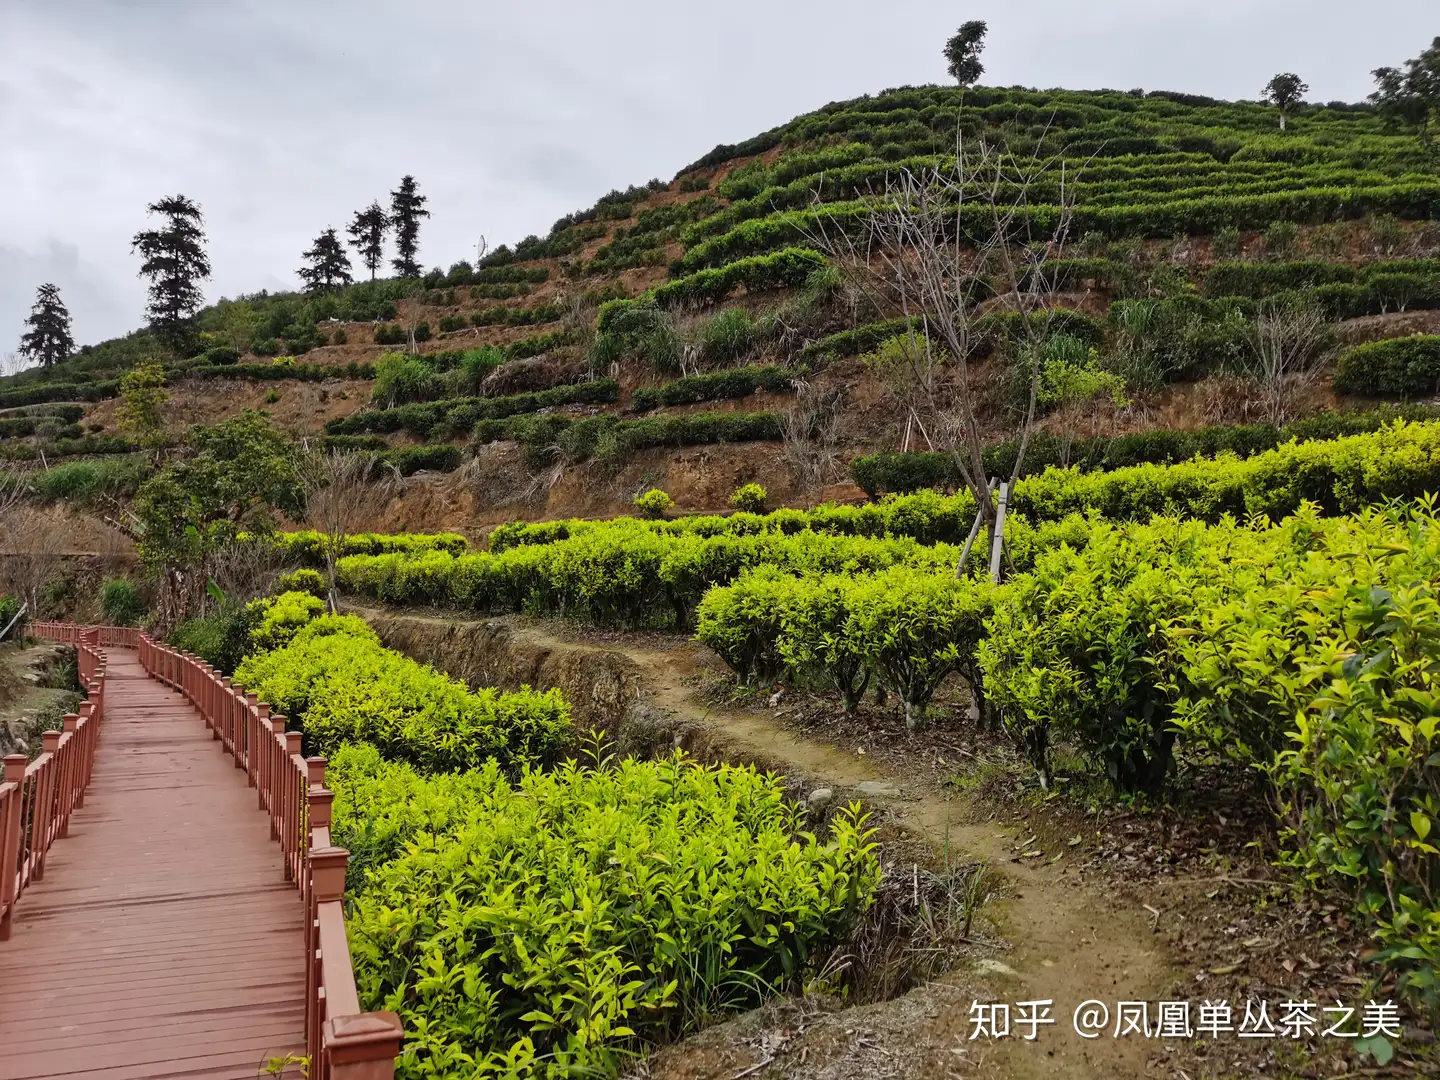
x=339, y=684
x=304, y=580
x=749, y=498
x=437, y=457
x=653, y=504
x=221, y=638
x=120, y=602
x=1402, y=367
x=274, y=621
x=726, y=901
x=916, y=470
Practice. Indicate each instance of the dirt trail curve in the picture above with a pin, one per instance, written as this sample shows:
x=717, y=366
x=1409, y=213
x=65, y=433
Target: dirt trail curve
x=1069, y=943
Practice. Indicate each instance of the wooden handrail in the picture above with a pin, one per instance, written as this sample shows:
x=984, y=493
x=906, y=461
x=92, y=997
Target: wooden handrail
x=38, y=797
x=342, y=1042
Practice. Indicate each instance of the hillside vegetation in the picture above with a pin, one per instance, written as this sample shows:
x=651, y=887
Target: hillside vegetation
x=1191, y=218
x=758, y=414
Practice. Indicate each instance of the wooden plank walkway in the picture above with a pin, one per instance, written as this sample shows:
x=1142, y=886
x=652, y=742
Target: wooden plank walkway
x=163, y=940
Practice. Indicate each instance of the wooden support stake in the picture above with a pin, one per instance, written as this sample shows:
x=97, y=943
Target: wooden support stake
x=997, y=541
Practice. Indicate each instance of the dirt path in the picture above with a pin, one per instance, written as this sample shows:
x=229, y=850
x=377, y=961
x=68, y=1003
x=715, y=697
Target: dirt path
x=1068, y=943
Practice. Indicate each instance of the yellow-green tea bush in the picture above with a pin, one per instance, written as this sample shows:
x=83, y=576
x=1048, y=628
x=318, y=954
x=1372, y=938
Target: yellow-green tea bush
x=749, y=498
x=905, y=627
x=653, y=504
x=307, y=546
x=274, y=621
x=556, y=925
x=302, y=580
x=625, y=574
x=340, y=685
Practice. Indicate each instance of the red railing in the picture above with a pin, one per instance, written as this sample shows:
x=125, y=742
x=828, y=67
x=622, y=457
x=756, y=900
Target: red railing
x=342, y=1042
x=124, y=637
x=38, y=797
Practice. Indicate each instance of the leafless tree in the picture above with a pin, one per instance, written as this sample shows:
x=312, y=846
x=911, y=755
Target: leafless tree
x=1291, y=341
x=946, y=247
x=340, y=491
x=32, y=541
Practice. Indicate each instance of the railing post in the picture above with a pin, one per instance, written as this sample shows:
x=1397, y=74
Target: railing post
x=10, y=838
x=227, y=693
x=248, y=714
x=89, y=725
x=362, y=1047
x=259, y=730
x=276, y=750
x=42, y=814
x=69, y=773
x=290, y=840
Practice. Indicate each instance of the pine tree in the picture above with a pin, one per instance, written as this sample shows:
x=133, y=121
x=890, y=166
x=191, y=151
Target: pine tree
x=1285, y=91
x=407, y=207
x=367, y=236
x=329, y=266
x=962, y=53
x=176, y=263
x=48, y=338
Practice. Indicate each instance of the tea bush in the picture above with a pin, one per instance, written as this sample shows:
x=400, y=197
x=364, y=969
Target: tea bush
x=654, y=504
x=713, y=386
x=749, y=499
x=307, y=546
x=339, y=684
x=557, y=924
x=908, y=472
x=1403, y=367
x=303, y=580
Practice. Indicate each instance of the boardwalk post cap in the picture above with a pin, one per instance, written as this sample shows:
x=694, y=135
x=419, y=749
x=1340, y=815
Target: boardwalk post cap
x=51, y=741
x=86, y=708
x=277, y=725
x=368, y=1039
x=292, y=742
x=320, y=800
x=71, y=721
x=15, y=768
x=315, y=771
x=327, y=867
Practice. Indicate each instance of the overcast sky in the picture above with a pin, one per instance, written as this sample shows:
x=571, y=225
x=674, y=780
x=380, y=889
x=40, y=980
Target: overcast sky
x=281, y=117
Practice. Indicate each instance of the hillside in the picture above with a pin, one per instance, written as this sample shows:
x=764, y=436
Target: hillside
x=741, y=359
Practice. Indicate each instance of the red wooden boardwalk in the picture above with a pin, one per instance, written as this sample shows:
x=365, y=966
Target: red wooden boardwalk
x=163, y=940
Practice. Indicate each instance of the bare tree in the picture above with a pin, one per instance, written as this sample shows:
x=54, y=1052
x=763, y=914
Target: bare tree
x=1291, y=341
x=32, y=541
x=947, y=248
x=340, y=491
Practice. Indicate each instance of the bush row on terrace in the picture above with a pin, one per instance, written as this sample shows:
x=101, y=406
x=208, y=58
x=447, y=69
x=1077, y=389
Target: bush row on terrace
x=1403, y=367
x=625, y=575
x=787, y=268
x=1304, y=649
x=559, y=923
x=712, y=386
x=1207, y=215
x=451, y=416
x=915, y=470
x=339, y=685
x=611, y=440
x=307, y=546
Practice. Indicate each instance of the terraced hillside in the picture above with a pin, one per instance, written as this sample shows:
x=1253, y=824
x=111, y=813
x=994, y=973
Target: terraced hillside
x=689, y=336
